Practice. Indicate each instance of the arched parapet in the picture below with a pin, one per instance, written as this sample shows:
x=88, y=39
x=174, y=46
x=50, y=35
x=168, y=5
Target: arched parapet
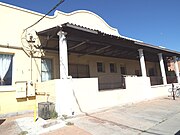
x=86, y=19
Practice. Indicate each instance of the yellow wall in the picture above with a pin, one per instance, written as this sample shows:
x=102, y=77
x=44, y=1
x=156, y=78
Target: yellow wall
x=21, y=71
x=9, y=103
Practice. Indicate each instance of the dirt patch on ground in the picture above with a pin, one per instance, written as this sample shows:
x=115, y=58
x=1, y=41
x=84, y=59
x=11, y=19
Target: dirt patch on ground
x=68, y=130
x=10, y=128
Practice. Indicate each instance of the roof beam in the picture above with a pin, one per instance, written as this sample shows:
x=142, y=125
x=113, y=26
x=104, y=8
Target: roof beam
x=100, y=49
x=82, y=43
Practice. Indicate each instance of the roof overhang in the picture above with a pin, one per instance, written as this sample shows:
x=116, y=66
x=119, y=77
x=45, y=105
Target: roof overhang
x=85, y=41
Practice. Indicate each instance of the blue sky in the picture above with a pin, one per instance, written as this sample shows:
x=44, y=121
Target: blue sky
x=156, y=22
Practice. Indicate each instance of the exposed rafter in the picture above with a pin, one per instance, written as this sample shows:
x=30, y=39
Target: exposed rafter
x=77, y=45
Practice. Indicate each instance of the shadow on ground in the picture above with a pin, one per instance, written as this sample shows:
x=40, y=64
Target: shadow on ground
x=2, y=120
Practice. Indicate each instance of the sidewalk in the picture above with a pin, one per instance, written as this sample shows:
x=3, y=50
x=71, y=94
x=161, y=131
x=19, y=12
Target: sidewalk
x=154, y=117
x=24, y=124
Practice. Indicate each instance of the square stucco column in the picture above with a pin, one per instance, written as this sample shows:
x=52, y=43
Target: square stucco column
x=63, y=55
x=163, y=73
x=142, y=63
x=176, y=68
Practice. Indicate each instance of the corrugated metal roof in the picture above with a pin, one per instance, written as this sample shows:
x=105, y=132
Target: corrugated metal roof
x=111, y=39
x=120, y=36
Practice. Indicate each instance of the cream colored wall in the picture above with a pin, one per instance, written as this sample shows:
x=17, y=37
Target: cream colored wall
x=46, y=91
x=13, y=23
x=21, y=71
x=22, y=66
x=9, y=103
x=90, y=99
x=85, y=98
x=17, y=19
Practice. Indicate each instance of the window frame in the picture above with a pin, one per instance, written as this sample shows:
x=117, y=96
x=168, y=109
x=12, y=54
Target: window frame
x=100, y=67
x=7, y=73
x=51, y=71
x=113, y=67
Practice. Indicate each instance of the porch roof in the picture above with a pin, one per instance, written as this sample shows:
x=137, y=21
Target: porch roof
x=87, y=41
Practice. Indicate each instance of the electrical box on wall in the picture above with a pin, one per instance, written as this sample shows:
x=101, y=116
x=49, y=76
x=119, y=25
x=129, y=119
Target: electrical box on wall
x=25, y=89
x=21, y=89
x=30, y=89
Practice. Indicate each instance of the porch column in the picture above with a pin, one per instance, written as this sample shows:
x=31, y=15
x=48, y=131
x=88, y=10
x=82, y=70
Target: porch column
x=63, y=55
x=142, y=62
x=161, y=61
x=176, y=68
x=64, y=90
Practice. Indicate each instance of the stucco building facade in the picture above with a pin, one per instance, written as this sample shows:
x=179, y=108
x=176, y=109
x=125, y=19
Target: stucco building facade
x=78, y=64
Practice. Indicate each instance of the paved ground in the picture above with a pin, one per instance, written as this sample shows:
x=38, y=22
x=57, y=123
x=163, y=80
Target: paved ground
x=24, y=124
x=68, y=130
x=155, y=117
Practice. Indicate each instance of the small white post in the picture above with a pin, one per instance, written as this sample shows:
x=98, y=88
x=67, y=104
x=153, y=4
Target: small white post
x=176, y=68
x=142, y=63
x=163, y=73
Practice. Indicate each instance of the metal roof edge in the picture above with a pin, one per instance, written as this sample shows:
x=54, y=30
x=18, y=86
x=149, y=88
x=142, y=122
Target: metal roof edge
x=156, y=47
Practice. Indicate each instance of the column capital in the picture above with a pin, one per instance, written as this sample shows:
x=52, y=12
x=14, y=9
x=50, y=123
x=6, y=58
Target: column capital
x=160, y=54
x=140, y=50
x=61, y=33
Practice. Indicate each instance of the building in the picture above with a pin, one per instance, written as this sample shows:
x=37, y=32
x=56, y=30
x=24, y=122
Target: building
x=79, y=65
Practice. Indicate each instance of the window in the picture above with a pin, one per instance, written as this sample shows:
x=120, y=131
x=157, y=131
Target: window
x=46, y=69
x=113, y=68
x=5, y=69
x=123, y=70
x=100, y=67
